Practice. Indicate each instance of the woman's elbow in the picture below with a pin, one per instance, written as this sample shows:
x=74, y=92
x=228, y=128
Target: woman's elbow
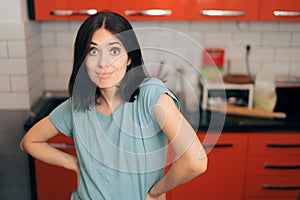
x=198, y=165
x=22, y=145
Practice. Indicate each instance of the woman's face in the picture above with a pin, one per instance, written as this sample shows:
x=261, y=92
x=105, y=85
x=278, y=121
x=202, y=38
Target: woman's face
x=107, y=60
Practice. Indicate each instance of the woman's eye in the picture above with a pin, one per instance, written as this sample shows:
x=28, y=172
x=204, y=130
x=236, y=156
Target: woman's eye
x=93, y=51
x=115, y=51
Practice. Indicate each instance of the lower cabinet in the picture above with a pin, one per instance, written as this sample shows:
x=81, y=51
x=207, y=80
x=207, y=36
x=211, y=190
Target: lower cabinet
x=273, y=166
x=241, y=166
x=248, y=166
x=225, y=175
x=55, y=183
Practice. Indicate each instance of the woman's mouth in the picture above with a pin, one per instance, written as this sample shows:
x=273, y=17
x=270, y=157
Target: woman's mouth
x=104, y=74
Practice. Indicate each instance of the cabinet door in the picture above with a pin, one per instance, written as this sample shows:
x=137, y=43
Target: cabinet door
x=273, y=169
x=280, y=144
x=67, y=9
x=150, y=10
x=268, y=187
x=287, y=10
x=54, y=182
x=224, y=178
x=223, y=10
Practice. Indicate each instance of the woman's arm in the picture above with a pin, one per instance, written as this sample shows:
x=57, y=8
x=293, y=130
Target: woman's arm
x=191, y=158
x=35, y=143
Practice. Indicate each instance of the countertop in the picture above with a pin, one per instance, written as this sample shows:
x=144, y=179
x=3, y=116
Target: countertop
x=216, y=121
x=201, y=121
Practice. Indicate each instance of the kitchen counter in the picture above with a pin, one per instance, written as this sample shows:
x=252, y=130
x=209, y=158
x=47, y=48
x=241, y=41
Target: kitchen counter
x=202, y=121
x=214, y=121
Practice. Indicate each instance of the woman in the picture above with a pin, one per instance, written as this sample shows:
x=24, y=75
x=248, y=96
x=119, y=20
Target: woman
x=120, y=119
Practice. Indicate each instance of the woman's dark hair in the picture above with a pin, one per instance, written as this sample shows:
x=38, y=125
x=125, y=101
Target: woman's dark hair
x=82, y=90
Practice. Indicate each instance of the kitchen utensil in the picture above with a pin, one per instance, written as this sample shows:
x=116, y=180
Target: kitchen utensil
x=237, y=78
x=249, y=112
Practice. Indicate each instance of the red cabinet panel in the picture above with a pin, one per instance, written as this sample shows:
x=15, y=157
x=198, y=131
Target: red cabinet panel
x=224, y=178
x=67, y=9
x=151, y=9
x=223, y=10
x=287, y=10
x=270, y=198
x=273, y=187
x=55, y=182
x=273, y=166
x=274, y=144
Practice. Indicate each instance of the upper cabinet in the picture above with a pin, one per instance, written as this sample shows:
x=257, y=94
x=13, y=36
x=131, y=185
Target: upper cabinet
x=287, y=10
x=150, y=9
x=65, y=9
x=204, y=10
x=223, y=10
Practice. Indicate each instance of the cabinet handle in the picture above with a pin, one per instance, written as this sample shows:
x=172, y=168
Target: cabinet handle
x=268, y=187
x=222, y=13
x=151, y=12
x=62, y=145
x=267, y=166
x=73, y=12
x=278, y=13
x=272, y=145
x=225, y=145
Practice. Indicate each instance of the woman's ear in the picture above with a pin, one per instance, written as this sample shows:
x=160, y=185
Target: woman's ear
x=128, y=61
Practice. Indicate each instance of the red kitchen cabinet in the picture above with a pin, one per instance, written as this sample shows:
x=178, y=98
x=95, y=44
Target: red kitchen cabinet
x=279, y=10
x=273, y=166
x=225, y=175
x=223, y=10
x=55, y=182
x=151, y=9
x=66, y=9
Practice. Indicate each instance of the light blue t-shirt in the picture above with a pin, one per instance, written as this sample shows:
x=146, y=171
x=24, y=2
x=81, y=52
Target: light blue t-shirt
x=123, y=155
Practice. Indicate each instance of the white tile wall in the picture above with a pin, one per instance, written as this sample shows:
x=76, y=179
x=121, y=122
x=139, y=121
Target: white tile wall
x=17, y=49
x=3, y=49
x=5, y=85
x=21, y=67
x=14, y=100
x=19, y=83
x=42, y=52
x=275, y=46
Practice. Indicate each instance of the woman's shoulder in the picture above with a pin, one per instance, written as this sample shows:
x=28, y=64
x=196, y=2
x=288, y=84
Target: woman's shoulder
x=152, y=88
x=66, y=105
x=151, y=82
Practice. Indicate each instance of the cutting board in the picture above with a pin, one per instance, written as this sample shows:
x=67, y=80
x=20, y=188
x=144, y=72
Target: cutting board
x=249, y=112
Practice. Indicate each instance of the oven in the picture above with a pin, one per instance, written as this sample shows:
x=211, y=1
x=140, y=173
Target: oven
x=50, y=182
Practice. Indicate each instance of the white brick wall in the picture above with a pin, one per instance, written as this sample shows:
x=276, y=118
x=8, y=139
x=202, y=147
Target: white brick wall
x=42, y=52
x=275, y=46
x=21, y=67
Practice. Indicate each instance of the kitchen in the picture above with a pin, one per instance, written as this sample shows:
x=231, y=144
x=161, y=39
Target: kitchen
x=36, y=56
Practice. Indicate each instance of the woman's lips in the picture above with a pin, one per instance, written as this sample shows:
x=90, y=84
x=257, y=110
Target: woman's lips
x=104, y=74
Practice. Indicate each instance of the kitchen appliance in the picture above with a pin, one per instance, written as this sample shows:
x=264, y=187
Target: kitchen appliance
x=288, y=97
x=50, y=182
x=216, y=93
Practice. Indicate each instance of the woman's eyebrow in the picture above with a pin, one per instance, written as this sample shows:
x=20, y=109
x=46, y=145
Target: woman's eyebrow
x=110, y=43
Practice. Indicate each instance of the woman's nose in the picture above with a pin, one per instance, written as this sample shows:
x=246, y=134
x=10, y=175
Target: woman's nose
x=103, y=62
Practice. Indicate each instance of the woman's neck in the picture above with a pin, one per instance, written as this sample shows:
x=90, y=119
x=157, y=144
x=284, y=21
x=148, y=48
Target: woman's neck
x=108, y=102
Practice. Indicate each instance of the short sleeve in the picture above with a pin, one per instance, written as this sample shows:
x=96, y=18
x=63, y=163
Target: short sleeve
x=151, y=90
x=61, y=117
